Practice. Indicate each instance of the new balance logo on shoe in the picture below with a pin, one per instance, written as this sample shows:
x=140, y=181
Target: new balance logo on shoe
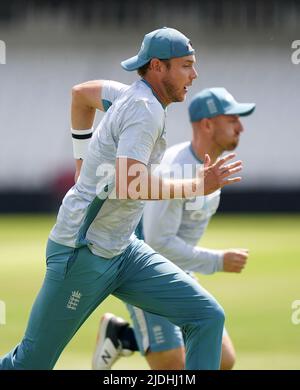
x=108, y=346
x=106, y=356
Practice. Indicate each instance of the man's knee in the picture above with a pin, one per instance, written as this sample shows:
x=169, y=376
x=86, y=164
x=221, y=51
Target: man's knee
x=172, y=359
x=217, y=314
x=213, y=314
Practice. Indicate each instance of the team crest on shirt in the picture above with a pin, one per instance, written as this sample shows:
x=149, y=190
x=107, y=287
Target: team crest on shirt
x=74, y=300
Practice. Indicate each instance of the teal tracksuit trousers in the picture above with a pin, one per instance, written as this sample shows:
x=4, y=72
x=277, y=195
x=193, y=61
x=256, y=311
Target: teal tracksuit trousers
x=77, y=281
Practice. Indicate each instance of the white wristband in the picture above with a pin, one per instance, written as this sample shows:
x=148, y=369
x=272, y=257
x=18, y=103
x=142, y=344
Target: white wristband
x=81, y=140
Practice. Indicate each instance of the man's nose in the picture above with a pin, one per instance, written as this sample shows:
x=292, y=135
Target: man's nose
x=194, y=74
x=240, y=127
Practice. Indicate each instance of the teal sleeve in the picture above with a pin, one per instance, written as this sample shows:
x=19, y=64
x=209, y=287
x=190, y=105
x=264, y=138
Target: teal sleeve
x=106, y=104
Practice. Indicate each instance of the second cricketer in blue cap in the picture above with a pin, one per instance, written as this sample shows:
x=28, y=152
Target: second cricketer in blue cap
x=211, y=102
x=164, y=43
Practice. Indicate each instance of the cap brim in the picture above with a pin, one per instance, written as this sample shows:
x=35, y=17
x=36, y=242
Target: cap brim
x=241, y=109
x=133, y=63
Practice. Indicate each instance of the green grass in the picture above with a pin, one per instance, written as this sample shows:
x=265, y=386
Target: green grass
x=257, y=302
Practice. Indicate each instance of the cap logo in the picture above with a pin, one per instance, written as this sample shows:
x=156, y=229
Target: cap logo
x=211, y=106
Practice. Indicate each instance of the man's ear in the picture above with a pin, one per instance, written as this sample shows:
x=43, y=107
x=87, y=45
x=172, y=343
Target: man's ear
x=207, y=125
x=156, y=65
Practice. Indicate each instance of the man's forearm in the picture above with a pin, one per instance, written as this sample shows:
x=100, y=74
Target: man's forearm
x=159, y=189
x=179, y=189
x=188, y=257
x=134, y=181
x=164, y=189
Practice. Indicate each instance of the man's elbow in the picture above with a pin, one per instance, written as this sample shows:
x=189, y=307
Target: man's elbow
x=78, y=91
x=89, y=93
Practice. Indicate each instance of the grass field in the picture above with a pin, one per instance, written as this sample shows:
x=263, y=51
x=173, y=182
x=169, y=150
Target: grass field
x=257, y=302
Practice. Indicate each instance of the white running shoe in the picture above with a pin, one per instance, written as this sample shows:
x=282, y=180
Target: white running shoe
x=108, y=346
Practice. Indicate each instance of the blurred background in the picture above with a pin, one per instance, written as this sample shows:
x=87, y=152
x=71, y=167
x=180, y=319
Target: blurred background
x=243, y=46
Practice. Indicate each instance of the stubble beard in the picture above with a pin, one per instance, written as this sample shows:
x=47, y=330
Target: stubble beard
x=233, y=145
x=226, y=148
x=171, y=91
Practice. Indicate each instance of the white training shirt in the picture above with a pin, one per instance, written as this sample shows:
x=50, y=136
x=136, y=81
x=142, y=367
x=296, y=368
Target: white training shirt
x=134, y=126
x=173, y=230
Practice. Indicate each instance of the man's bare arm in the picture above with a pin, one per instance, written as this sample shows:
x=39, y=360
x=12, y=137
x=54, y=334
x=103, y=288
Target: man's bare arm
x=86, y=98
x=134, y=181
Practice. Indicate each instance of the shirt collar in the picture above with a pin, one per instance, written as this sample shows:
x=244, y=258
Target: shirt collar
x=194, y=154
x=154, y=93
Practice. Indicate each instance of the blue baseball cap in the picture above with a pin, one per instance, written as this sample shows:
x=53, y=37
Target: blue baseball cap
x=164, y=43
x=211, y=102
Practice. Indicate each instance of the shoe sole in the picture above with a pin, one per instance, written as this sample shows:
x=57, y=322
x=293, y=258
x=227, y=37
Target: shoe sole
x=101, y=337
